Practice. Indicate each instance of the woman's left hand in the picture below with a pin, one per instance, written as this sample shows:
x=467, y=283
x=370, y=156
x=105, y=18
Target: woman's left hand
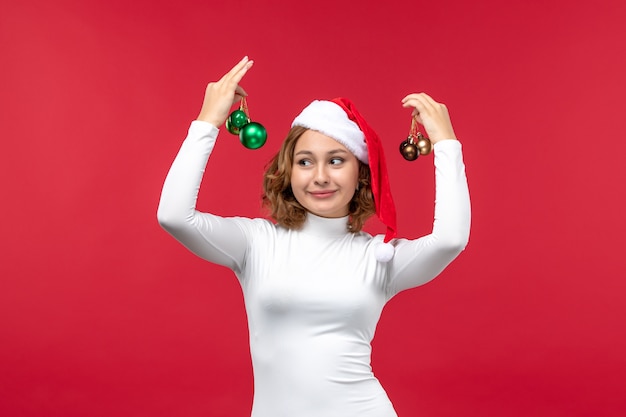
x=432, y=115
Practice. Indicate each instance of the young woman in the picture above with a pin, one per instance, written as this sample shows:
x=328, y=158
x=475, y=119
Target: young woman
x=314, y=284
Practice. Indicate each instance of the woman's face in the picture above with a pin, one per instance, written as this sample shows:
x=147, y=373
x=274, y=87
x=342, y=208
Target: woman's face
x=324, y=175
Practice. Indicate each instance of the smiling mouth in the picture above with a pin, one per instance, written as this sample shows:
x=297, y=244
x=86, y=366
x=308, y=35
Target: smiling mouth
x=322, y=194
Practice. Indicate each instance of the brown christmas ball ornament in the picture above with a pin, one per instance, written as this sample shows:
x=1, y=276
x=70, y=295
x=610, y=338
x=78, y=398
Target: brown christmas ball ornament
x=409, y=150
x=415, y=144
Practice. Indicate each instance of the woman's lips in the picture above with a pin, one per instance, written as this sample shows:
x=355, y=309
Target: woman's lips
x=322, y=194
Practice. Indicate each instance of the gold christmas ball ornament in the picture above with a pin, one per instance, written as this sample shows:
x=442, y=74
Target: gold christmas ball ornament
x=424, y=144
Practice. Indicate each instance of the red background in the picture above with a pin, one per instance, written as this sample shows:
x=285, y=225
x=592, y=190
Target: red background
x=102, y=313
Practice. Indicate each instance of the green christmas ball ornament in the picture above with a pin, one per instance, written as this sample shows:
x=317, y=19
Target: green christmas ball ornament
x=232, y=129
x=253, y=135
x=238, y=119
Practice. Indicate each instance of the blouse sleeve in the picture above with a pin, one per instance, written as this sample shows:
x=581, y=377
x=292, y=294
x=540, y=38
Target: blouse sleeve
x=418, y=261
x=213, y=238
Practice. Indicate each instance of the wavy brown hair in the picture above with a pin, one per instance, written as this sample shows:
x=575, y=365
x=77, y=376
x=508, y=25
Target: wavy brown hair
x=286, y=210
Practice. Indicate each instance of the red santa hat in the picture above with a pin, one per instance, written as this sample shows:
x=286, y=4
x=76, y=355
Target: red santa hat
x=340, y=120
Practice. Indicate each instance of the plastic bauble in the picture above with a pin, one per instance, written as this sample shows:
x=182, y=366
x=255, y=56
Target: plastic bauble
x=232, y=129
x=409, y=150
x=238, y=119
x=253, y=135
x=424, y=145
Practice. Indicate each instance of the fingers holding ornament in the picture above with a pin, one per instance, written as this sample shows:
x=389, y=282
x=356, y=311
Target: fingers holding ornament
x=239, y=70
x=220, y=95
x=219, y=98
x=432, y=115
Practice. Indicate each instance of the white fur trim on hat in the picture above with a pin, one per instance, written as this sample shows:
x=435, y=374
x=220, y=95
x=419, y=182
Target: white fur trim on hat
x=331, y=120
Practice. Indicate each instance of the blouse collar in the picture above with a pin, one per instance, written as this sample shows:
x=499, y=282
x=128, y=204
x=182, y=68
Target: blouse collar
x=324, y=226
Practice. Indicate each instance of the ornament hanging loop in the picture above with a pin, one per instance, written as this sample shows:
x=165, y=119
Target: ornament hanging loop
x=243, y=106
x=416, y=143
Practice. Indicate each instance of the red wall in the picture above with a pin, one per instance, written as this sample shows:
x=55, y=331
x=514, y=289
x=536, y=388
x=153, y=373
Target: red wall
x=102, y=313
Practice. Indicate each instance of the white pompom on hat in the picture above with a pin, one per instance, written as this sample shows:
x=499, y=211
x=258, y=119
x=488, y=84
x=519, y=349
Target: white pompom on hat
x=340, y=120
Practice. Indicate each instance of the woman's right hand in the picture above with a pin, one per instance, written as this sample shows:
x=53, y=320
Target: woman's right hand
x=221, y=95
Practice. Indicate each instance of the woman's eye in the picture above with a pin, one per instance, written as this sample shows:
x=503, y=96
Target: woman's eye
x=336, y=161
x=304, y=162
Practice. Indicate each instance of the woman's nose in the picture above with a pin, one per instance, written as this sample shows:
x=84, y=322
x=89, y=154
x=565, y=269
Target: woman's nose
x=321, y=175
